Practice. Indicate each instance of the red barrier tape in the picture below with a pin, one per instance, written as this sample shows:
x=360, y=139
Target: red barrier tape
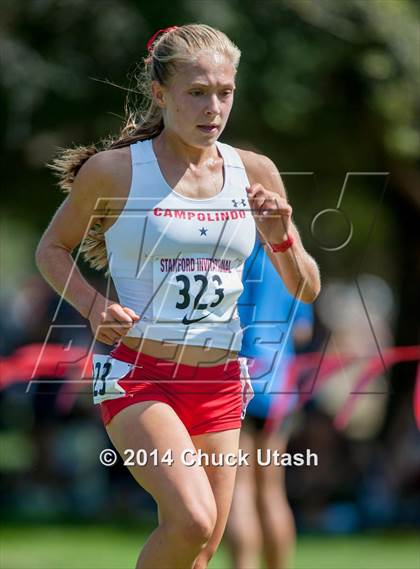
x=35, y=361
x=322, y=367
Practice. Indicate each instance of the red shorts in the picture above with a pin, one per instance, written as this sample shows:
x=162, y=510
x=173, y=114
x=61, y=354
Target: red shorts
x=206, y=399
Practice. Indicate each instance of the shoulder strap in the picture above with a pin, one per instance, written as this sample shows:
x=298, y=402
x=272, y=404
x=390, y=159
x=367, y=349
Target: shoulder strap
x=142, y=152
x=230, y=156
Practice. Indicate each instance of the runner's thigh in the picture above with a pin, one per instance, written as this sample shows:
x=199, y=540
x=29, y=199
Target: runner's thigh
x=154, y=425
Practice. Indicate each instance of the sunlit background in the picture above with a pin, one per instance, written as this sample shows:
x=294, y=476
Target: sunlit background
x=330, y=91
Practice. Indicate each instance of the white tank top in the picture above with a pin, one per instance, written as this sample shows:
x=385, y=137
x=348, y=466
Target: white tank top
x=177, y=261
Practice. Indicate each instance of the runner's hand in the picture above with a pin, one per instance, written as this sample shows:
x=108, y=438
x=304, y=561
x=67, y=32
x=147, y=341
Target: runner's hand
x=110, y=322
x=272, y=213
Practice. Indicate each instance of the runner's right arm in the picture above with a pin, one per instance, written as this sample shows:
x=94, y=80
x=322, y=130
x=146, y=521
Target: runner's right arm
x=97, y=178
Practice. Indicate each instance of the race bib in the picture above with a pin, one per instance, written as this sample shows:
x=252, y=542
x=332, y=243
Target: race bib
x=247, y=389
x=195, y=288
x=107, y=371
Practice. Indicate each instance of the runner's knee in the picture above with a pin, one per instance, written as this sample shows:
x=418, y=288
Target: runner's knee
x=194, y=525
x=245, y=537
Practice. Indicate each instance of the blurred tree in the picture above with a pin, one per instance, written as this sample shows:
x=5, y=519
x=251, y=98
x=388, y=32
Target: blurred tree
x=385, y=52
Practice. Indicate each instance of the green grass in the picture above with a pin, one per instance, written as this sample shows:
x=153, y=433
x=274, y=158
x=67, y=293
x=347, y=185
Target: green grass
x=95, y=547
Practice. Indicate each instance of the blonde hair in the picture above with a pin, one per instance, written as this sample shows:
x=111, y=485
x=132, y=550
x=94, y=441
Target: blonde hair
x=143, y=119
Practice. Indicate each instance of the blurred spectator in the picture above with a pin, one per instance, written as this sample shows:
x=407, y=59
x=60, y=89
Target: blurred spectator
x=261, y=520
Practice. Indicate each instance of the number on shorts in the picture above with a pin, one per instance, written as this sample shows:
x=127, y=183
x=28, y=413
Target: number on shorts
x=101, y=373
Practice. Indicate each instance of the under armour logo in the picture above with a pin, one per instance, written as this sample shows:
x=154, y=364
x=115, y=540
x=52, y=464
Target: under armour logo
x=236, y=203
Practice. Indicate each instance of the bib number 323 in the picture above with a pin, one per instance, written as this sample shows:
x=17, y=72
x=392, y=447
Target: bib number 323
x=188, y=296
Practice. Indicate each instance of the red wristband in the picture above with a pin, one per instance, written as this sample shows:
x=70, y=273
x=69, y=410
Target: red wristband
x=282, y=247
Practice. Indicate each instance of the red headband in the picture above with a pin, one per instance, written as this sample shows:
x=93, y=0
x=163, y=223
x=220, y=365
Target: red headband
x=155, y=36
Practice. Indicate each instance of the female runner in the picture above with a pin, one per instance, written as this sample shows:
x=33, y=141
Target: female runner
x=173, y=213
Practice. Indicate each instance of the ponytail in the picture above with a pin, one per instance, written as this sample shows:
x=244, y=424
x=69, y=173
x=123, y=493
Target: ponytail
x=69, y=161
